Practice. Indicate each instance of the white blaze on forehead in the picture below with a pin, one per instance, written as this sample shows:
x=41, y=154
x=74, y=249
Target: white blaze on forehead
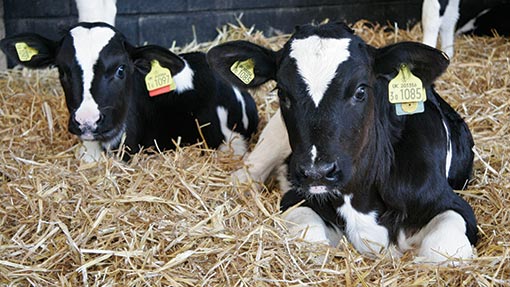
x=317, y=60
x=88, y=43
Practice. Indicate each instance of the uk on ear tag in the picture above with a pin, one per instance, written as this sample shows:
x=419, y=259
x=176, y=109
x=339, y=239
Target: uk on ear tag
x=406, y=87
x=409, y=108
x=244, y=70
x=25, y=52
x=159, y=80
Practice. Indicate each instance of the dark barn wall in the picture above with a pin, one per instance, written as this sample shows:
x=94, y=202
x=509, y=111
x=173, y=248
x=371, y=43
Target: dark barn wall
x=165, y=21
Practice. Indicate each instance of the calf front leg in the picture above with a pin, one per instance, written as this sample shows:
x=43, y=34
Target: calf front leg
x=442, y=239
x=270, y=151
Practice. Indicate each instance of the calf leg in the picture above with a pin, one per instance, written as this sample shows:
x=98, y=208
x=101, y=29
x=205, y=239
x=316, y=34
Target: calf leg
x=447, y=30
x=270, y=151
x=90, y=151
x=305, y=223
x=430, y=21
x=443, y=238
x=97, y=11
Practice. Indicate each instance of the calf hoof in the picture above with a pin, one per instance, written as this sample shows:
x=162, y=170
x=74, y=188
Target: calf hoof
x=90, y=151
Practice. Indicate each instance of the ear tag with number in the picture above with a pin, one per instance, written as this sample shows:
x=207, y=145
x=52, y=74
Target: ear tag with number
x=25, y=52
x=159, y=80
x=406, y=91
x=244, y=70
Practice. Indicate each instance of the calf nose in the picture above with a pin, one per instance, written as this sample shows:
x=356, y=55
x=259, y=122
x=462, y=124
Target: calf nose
x=326, y=171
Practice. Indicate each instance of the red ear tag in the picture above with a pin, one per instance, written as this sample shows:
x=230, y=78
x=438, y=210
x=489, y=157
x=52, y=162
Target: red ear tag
x=159, y=80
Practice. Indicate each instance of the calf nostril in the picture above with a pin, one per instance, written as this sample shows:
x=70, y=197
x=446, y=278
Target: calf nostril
x=330, y=171
x=327, y=171
x=101, y=119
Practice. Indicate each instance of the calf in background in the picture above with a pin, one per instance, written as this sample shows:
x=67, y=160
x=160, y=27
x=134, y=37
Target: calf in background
x=147, y=93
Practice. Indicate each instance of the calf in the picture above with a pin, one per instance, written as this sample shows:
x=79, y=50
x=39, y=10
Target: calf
x=361, y=167
x=439, y=17
x=488, y=22
x=146, y=93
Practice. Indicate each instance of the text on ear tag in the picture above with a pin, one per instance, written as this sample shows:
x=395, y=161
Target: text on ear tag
x=25, y=52
x=244, y=70
x=406, y=87
x=406, y=91
x=159, y=80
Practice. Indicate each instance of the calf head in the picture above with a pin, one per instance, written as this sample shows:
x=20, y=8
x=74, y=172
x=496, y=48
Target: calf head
x=328, y=82
x=98, y=70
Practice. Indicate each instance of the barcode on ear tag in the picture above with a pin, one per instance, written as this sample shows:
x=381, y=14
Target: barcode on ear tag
x=25, y=52
x=244, y=70
x=159, y=80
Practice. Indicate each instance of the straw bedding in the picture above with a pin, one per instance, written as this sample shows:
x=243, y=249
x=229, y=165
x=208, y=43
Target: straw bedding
x=175, y=219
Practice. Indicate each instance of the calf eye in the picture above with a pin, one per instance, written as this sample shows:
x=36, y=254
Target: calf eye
x=360, y=94
x=120, y=72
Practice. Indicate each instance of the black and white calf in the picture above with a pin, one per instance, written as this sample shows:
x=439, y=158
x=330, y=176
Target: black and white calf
x=379, y=178
x=439, y=17
x=107, y=97
x=488, y=22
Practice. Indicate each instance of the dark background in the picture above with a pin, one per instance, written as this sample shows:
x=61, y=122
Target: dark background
x=164, y=21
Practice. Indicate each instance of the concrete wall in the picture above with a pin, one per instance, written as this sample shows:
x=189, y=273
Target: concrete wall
x=165, y=21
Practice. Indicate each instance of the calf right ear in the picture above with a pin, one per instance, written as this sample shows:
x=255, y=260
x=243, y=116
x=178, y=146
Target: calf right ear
x=30, y=50
x=242, y=63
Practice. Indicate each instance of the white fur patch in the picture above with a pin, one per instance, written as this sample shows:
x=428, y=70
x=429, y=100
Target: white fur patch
x=88, y=43
x=240, y=99
x=318, y=189
x=362, y=230
x=232, y=139
x=317, y=60
x=184, y=79
x=447, y=30
x=313, y=152
x=448, y=150
x=444, y=237
x=430, y=21
x=97, y=11
x=307, y=224
x=90, y=151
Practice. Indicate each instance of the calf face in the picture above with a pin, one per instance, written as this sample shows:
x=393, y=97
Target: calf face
x=326, y=79
x=97, y=69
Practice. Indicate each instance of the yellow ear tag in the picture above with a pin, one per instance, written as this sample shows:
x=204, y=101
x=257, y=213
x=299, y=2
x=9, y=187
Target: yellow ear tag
x=406, y=91
x=244, y=70
x=159, y=80
x=25, y=52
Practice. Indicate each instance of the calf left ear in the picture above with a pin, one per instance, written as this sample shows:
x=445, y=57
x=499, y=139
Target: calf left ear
x=425, y=62
x=142, y=57
x=30, y=50
x=242, y=63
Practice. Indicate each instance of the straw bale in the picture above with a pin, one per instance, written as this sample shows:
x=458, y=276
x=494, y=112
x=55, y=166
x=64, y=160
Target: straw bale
x=175, y=219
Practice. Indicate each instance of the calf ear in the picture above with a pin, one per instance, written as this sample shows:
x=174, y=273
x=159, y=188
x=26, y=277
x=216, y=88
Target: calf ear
x=426, y=63
x=142, y=57
x=258, y=63
x=30, y=50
